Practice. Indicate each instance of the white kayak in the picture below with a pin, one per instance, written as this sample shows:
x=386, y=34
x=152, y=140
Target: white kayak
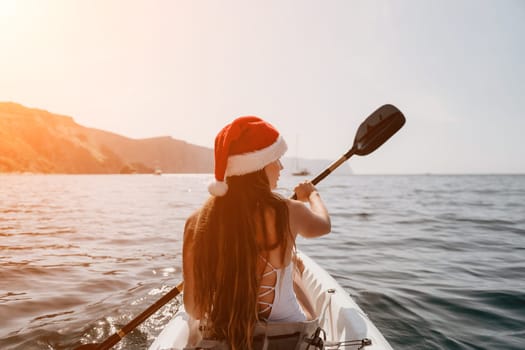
x=345, y=325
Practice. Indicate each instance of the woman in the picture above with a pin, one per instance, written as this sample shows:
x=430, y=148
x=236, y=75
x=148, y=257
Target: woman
x=238, y=248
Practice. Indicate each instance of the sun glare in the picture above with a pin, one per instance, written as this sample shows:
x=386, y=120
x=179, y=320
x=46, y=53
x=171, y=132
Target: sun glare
x=8, y=9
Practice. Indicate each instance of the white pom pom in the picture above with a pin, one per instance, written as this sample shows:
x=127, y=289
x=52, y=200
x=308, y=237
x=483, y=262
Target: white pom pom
x=218, y=188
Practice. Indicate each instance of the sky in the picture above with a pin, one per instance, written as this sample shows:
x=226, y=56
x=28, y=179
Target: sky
x=314, y=69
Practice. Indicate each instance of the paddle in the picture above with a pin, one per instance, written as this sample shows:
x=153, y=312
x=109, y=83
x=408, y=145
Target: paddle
x=115, y=338
x=372, y=133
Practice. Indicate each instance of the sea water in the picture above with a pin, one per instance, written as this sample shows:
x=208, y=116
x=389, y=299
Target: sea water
x=437, y=262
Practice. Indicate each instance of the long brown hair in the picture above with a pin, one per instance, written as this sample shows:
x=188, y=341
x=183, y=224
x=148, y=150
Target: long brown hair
x=226, y=252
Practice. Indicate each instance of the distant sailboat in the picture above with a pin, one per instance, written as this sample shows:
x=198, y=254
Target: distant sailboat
x=302, y=171
x=158, y=169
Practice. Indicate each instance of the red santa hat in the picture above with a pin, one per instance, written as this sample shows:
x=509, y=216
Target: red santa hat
x=246, y=145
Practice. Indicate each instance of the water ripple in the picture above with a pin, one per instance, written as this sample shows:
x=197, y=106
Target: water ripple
x=436, y=261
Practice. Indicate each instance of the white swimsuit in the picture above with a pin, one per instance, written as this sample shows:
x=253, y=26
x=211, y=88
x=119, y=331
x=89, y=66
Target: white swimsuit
x=285, y=307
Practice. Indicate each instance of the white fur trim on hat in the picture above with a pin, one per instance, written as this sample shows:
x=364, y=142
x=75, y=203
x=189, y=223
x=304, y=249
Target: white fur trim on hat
x=241, y=164
x=218, y=188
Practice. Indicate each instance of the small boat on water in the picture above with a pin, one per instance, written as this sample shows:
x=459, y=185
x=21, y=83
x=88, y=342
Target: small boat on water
x=340, y=323
x=302, y=172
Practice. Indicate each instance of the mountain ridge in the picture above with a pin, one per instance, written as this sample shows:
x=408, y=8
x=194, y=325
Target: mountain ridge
x=37, y=141
x=34, y=140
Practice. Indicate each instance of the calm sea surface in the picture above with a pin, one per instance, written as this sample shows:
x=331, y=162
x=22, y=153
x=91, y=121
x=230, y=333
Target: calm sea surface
x=438, y=262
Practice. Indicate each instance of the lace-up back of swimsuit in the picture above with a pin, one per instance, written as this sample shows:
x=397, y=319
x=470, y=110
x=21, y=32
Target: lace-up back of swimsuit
x=277, y=300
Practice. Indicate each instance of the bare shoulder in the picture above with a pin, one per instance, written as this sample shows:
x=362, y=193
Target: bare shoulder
x=306, y=222
x=295, y=207
x=296, y=212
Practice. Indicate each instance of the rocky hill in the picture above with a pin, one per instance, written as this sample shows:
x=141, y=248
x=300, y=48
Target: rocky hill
x=37, y=141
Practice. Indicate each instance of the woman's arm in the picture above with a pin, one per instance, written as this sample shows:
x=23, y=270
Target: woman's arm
x=308, y=222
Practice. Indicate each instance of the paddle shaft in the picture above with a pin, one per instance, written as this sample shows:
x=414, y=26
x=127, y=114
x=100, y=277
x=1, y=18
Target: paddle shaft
x=116, y=337
x=331, y=168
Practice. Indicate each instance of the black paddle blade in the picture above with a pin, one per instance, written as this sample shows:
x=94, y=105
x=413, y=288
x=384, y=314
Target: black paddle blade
x=377, y=128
